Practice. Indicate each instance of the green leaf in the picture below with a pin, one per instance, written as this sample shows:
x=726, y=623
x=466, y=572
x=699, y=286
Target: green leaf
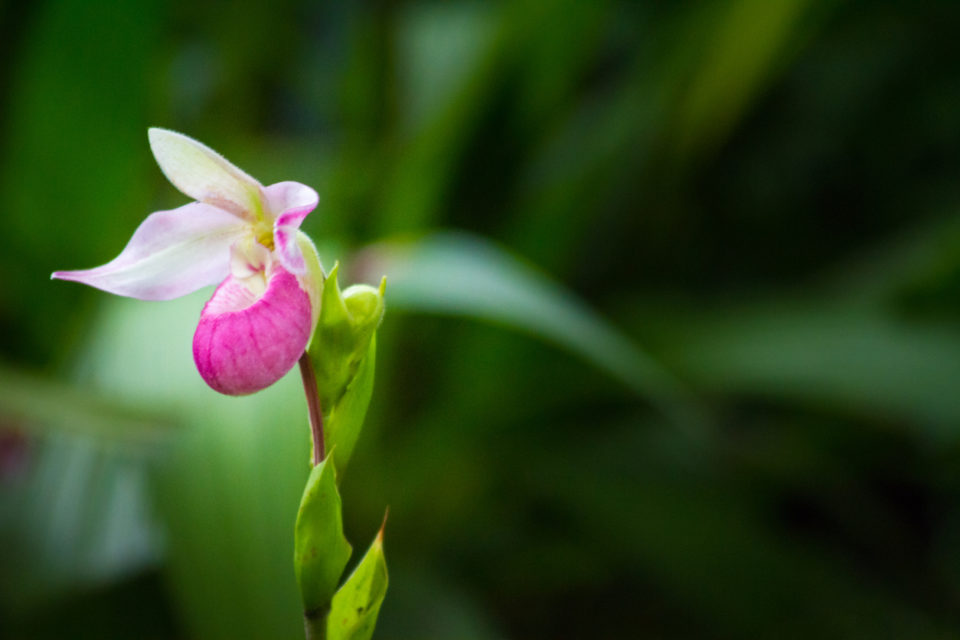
x=320, y=549
x=356, y=605
x=343, y=424
x=462, y=275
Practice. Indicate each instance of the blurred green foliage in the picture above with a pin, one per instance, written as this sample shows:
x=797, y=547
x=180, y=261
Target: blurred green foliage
x=688, y=368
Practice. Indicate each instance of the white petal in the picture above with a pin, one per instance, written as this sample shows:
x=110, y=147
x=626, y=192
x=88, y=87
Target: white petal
x=172, y=253
x=203, y=174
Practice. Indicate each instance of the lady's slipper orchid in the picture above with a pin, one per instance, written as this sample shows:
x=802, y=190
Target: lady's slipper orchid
x=240, y=234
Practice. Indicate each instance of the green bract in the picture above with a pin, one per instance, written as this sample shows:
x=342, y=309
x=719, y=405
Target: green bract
x=346, y=325
x=345, y=419
x=320, y=549
x=356, y=605
x=343, y=355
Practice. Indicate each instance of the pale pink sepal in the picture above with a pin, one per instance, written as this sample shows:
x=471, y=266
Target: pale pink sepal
x=172, y=253
x=203, y=174
x=291, y=202
x=245, y=343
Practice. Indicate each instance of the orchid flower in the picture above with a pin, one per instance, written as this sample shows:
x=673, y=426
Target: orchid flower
x=239, y=234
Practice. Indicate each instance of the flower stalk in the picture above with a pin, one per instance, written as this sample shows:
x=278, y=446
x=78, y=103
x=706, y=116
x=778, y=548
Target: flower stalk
x=315, y=624
x=314, y=411
x=337, y=373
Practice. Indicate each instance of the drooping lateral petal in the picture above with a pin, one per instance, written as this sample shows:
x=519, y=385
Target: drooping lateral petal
x=246, y=342
x=290, y=202
x=203, y=174
x=172, y=253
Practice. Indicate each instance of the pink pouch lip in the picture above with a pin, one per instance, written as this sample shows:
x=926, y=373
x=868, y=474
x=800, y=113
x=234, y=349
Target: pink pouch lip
x=244, y=344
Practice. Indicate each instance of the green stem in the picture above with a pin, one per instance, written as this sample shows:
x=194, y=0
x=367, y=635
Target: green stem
x=315, y=624
x=313, y=408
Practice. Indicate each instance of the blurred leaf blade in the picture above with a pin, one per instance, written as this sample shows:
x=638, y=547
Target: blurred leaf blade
x=744, y=42
x=39, y=404
x=76, y=518
x=846, y=356
x=462, y=275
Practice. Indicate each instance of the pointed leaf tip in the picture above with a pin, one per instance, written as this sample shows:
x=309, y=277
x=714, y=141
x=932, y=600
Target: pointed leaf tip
x=383, y=526
x=356, y=605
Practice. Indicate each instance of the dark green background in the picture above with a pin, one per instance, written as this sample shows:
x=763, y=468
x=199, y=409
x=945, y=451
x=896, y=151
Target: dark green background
x=704, y=383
